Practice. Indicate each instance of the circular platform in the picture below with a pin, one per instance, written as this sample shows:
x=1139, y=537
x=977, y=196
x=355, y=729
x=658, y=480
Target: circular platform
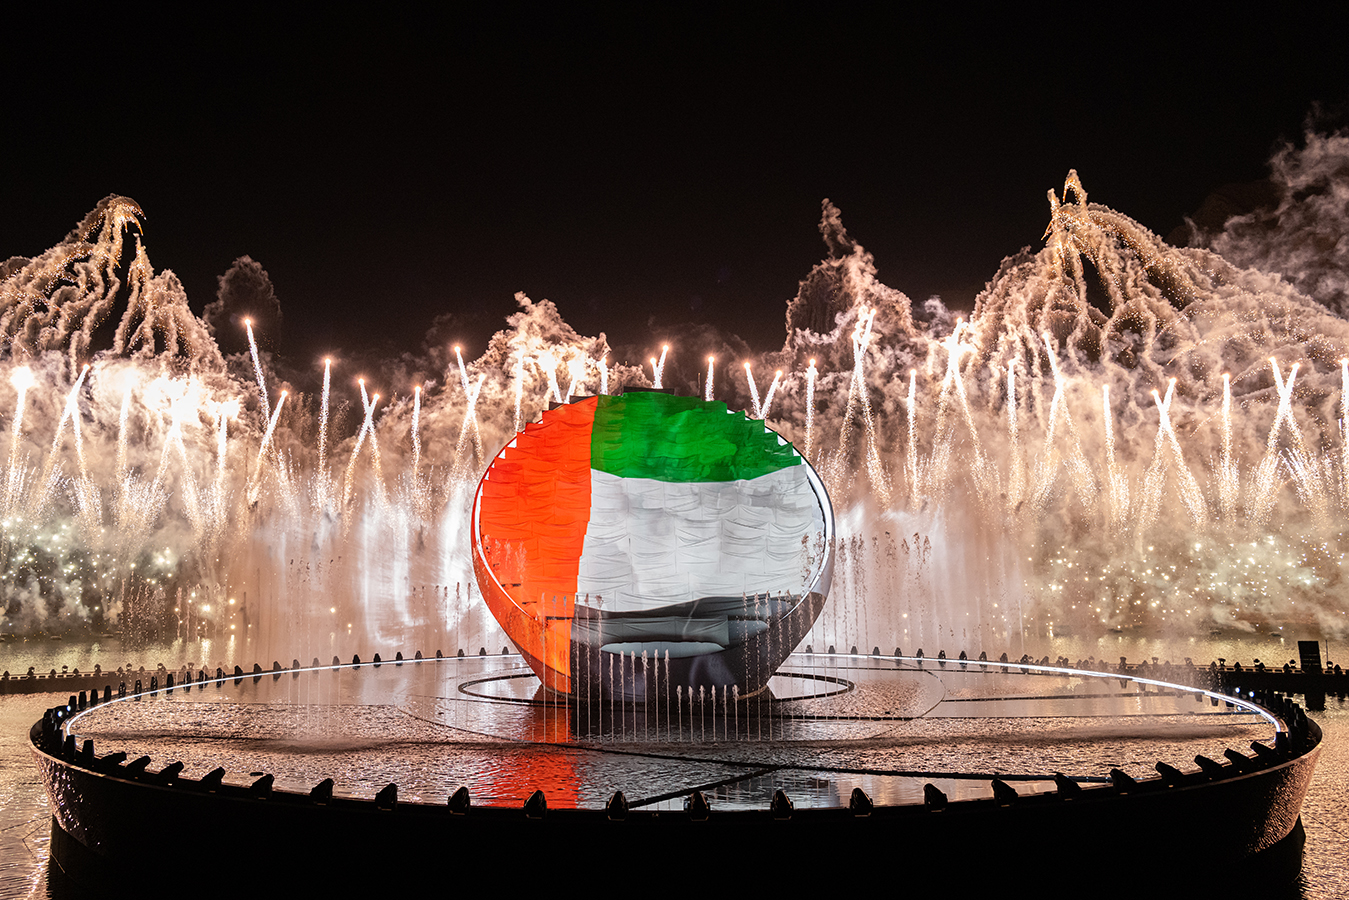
x=831, y=724
x=346, y=774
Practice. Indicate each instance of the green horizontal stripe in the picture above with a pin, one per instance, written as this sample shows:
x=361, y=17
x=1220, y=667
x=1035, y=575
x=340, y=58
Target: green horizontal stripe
x=652, y=435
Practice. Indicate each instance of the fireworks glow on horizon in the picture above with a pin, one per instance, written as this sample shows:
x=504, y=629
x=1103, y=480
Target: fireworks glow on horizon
x=1123, y=434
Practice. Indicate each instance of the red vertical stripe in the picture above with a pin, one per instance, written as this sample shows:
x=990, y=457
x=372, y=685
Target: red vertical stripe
x=533, y=509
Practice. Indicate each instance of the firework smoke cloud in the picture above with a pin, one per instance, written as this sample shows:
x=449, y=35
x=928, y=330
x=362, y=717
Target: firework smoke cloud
x=1123, y=434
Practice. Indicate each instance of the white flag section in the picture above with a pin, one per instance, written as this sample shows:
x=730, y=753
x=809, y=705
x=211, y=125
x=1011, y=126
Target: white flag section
x=651, y=543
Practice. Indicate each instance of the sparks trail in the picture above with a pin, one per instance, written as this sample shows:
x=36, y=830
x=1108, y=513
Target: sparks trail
x=1178, y=457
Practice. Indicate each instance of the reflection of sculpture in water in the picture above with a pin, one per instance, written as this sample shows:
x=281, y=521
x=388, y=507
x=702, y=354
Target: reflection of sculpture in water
x=1123, y=434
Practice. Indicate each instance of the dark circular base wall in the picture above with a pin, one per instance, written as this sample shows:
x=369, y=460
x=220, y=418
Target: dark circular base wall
x=119, y=823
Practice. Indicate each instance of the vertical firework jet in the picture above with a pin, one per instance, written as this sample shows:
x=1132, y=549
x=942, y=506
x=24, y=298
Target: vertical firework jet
x=1089, y=447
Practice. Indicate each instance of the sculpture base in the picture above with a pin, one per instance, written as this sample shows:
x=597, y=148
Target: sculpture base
x=707, y=795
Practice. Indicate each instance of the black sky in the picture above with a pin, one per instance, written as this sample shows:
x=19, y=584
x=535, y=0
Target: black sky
x=642, y=169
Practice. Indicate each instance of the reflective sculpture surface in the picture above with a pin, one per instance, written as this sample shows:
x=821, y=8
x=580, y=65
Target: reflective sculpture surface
x=637, y=544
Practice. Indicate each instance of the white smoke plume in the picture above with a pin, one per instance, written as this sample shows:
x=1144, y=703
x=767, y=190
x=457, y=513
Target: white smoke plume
x=245, y=292
x=1303, y=234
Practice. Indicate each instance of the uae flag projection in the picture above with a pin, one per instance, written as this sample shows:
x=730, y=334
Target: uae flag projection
x=633, y=544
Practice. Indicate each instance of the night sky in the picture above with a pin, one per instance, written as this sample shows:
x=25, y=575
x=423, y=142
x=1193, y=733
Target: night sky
x=641, y=170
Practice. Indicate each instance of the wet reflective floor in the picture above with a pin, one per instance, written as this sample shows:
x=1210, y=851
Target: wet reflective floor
x=832, y=723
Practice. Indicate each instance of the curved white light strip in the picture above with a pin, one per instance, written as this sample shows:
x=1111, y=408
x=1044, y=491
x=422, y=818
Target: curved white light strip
x=1059, y=670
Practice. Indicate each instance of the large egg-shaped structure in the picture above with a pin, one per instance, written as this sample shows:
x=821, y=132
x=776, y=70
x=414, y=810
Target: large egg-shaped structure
x=631, y=545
